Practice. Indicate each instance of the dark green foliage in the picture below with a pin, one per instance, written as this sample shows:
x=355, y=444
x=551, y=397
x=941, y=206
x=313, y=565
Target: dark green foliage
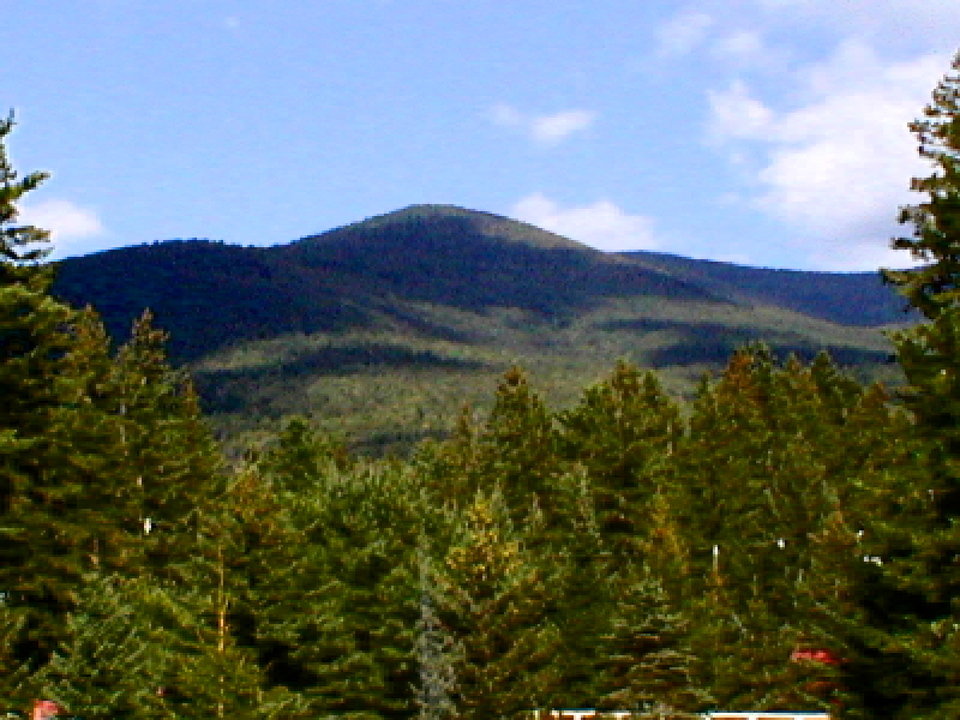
x=933, y=288
x=210, y=294
x=335, y=600
x=779, y=460
x=168, y=471
x=16, y=676
x=921, y=532
x=622, y=433
x=46, y=515
x=21, y=246
x=517, y=450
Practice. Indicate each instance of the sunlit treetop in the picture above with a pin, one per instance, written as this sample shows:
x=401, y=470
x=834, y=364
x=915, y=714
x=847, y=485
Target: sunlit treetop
x=936, y=236
x=19, y=244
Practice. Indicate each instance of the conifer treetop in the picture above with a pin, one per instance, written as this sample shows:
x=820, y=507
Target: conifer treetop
x=24, y=243
x=936, y=221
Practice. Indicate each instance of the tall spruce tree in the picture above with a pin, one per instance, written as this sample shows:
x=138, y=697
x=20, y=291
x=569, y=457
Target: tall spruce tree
x=517, y=449
x=928, y=573
x=169, y=474
x=620, y=438
x=47, y=515
x=336, y=598
x=648, y=668
x=495, y=596
x=621, y=432
x=775, y=454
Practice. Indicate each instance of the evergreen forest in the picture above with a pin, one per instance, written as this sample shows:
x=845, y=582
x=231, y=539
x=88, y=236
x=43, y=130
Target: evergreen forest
x=786, y=538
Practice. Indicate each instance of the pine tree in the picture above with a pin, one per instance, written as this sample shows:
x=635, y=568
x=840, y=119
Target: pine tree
x=22, y=247
x=336, y=599
x=47, y=464
x=927, y=572
x=210, y=672
x=495, y=600
x=622, y=432
x=774, y=455
x=109, y=663
x=168, y=472
x=437, y=652
x=649, y=666
x=517, y=449
x=15, y=673
x=723, y=465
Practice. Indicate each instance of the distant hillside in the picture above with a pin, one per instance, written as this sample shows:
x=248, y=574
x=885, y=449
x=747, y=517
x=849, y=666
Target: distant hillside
x=472, y=261
x=859, y=298
x=210, y=295
x=419, y=310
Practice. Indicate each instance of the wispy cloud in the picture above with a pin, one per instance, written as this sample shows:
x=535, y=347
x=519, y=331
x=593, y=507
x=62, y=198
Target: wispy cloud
x=555, y=128
x=70, y=225
x=736, y=114
x=682, y=34
x=933, y=23
x=601, y=225
x=740, y=46
x=544, y=129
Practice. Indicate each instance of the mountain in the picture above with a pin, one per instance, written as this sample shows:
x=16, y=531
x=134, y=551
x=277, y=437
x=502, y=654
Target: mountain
x=856, y=298
x=383, y=328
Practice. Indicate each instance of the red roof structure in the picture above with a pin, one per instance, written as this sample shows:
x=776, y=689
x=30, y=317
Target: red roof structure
x=819, y=655
x=45, y=710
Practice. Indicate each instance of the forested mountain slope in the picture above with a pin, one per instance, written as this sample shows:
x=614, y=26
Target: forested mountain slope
x=344, y=278
x=853, y=298
x=424, y=307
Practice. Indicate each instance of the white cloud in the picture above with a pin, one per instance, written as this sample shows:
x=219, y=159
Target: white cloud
x=836, y=166
x=682, y=33
x=734, y=113
x=543, y=129
x=70, y=225
x=601, y=225
x=554, y=128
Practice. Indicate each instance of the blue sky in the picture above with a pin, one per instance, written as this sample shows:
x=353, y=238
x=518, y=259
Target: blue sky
x=766, y=132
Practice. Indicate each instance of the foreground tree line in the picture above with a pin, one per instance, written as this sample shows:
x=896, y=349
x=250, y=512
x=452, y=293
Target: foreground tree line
x=789, y=540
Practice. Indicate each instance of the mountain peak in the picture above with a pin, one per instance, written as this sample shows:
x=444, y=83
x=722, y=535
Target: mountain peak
x=470, y=223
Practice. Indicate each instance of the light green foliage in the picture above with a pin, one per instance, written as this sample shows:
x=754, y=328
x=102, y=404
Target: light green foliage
x=494, y=596
x=381, y=404
x=108, y=663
